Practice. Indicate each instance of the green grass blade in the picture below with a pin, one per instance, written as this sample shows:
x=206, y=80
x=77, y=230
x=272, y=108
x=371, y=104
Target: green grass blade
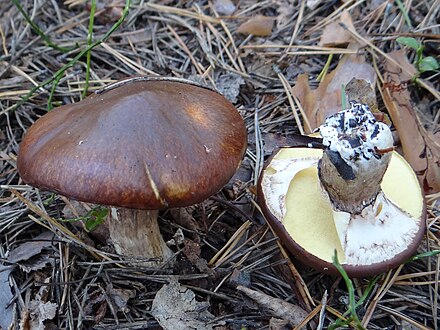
x=89, y=42
x=325, y=69
x=344, y=98
x=404, y=13
x=351, y=297
x=57, y=76
x=424, y=255
x=37, y=29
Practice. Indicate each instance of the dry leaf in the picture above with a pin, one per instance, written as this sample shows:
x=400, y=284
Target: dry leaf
x=224, y=7
x=260, y=26
x=260, y=66
x=31, y=248
x=279, y=324
x=326, y=99
x=334, y=34
x=312, y=4
x=175, y=307
x=96, y=305
x=108, y=11
x=6, y=310
x=362, y=91
x=192, y=252
x=120, y=297
x=36, y=313
x=28, y=255
x=420, y=147
x=284, y=13
x=137, y=37
x=278, y=307
x=183, y=217
x=274, y=141
x=240, y=277
x=229, y=85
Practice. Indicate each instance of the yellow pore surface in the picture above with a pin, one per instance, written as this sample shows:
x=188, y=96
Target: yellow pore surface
x=309, y=219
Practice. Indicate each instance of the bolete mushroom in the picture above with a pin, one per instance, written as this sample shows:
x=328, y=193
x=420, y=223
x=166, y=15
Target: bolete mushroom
x=357, y=197
x=141, y=144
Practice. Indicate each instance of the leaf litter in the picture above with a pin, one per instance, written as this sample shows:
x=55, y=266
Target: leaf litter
x=259, y=26
x=326, y=100
x=29, y=256
x=82, y=283
x=280, y=308
x=176, y=307
x=6, y=308
x=420, y=146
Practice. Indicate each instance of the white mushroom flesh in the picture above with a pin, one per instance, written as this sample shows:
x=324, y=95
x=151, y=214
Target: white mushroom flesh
x=379, y=233
x=276, y=185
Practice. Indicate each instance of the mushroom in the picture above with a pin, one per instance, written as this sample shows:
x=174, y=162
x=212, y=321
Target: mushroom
x=357, y=197
x=141, y=144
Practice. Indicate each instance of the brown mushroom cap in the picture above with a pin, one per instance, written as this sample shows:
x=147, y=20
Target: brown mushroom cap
x=143, y=143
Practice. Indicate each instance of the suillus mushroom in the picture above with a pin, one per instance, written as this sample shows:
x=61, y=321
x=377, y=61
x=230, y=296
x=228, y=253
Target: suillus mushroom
x=357, y=197
x=141, y=144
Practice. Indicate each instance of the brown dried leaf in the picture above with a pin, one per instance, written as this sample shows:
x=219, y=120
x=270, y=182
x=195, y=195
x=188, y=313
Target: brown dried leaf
x=192, y=252
x=183, y=217
x=6, y=309
x=334, y=34
x=96, y=305
x=108, y=11
x=224, y=7
x=229, y=84
x=175, y=307
x=324, y=101
x=274, y=141
x=260, y=26
x=278, y=307
x=29, y=255
x=360, y=90
x=285, y=13
x=120, y=297
x=260, y=65
x=240, y=277
x=36, y=313
x=420, y=147
x=279, y=324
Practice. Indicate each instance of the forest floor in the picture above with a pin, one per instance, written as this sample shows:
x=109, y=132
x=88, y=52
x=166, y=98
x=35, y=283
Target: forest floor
x=282, y=64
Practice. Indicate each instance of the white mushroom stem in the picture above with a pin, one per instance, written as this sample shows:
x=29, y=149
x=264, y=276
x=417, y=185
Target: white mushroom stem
x=136, y=233
x=381, y=231
x=356, y=158
x=371, y=228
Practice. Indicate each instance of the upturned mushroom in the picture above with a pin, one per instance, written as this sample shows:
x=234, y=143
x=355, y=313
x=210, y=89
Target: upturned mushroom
x=141, y=144
x=357, y=197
